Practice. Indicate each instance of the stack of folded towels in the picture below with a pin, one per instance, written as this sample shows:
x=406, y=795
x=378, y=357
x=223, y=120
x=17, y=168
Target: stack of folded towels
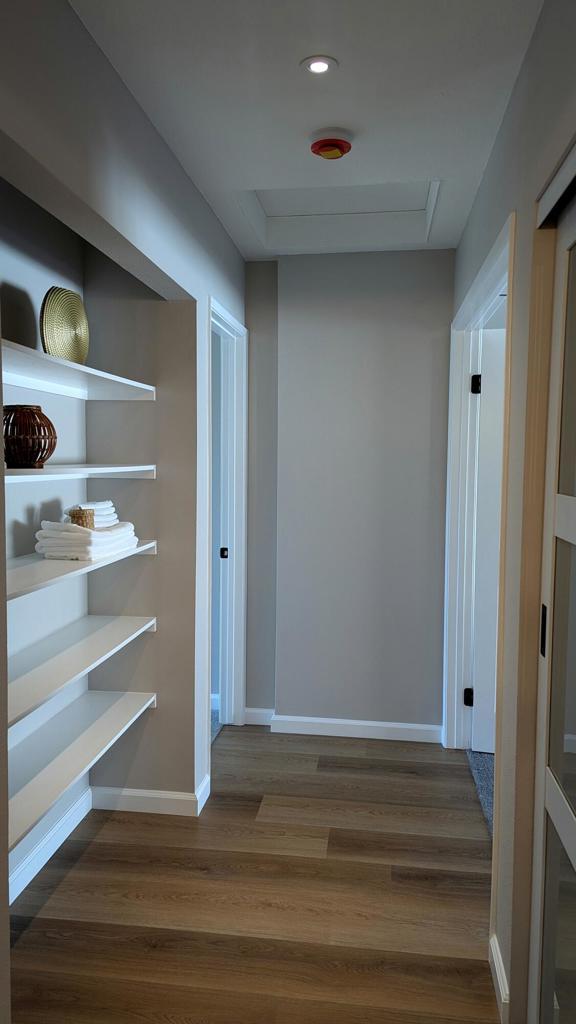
x=78, y=543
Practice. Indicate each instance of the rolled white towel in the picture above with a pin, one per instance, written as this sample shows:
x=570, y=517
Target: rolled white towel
x=102, y=516
x=97, y=506
x=100, y=522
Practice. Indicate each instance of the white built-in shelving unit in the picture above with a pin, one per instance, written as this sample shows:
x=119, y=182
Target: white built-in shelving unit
x=29, y=368
x=28, y=573
x=48, y=762
x=45, y=668
x=57, y=740
x=53, y=471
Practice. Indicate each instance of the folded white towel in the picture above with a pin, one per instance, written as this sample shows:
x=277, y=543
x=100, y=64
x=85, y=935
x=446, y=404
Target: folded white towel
x=83, y=542
x=96, y=556
x=43, y=548
x=108, y=536
x=66, y=530
x=86, y=554
x=98, y=539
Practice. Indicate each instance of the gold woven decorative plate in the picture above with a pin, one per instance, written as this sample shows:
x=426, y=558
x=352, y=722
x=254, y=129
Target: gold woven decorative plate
x=64, y=325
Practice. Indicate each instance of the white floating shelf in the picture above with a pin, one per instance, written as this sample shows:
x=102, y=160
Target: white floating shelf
x=69, y=472
x=29, y=573
x=55, y=756
x=28, y=368
x=40, y=671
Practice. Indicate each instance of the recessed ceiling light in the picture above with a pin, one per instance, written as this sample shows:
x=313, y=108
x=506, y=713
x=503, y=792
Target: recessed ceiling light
x=319, y=64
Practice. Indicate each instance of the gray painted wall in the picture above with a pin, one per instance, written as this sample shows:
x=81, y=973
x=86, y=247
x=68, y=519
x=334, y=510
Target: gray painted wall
x=262, y=323
x=137, y=334
x=36, y=252
x=537, y=129
x=77, y=121
x=363, y=346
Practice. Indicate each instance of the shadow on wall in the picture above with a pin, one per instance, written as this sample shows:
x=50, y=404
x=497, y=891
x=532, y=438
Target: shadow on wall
x=23, y=539
x=36, y=250
x=17, y=316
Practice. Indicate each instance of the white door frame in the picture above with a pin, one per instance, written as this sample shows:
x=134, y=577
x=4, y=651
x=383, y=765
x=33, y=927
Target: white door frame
x=460, y=500
x=215, y=313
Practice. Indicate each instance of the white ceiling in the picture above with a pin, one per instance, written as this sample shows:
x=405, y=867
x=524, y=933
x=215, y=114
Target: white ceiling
x=422, y=86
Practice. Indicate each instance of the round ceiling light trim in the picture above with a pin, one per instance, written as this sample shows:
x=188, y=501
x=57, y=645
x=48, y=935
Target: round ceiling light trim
x=331, y=149
x=319, y=64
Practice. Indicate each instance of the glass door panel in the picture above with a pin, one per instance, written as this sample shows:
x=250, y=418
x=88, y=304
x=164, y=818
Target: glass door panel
x=567, y=473
x=559, y=974
x=562, y=747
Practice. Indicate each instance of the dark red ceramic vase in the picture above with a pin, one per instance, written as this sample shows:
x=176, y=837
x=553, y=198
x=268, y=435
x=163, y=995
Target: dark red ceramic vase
x=29, y=437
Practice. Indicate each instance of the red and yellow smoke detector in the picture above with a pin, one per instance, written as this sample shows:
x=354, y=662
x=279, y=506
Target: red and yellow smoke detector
x=331, y=148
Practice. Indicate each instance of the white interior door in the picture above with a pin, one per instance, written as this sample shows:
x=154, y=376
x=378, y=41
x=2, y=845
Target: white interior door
x=229, y=482
x=224, y=549
x=216, y=520
x=488, y=427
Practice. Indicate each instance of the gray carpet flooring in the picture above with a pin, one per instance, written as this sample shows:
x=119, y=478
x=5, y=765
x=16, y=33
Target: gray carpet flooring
x=482, y=768
x=215, y=723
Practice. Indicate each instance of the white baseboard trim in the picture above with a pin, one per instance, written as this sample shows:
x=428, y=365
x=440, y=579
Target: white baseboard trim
x=356, y=728
x=215, y=701
x=499, y=979
x=151, y=801
x=258, y=716
x=202, y=793
x=22, y=875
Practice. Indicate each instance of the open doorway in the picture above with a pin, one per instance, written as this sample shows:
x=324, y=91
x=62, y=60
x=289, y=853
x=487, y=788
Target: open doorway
x=474, y=562
x=228, y=520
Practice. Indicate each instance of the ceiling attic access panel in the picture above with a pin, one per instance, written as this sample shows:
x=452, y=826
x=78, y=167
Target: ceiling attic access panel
x=352, y=218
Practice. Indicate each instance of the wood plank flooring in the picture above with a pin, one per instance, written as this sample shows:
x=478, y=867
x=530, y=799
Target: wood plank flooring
x=327, y=881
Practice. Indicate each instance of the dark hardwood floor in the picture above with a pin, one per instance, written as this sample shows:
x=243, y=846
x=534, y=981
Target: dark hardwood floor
x=327, y=881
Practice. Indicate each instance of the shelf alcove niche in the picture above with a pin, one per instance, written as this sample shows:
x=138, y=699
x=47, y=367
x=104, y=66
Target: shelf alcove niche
x=93, y=647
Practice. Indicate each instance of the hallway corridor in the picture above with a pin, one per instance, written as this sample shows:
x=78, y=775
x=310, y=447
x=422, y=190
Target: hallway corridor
x=328, y=881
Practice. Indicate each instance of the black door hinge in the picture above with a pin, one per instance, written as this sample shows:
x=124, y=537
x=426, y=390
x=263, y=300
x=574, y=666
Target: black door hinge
x=468, y=697
x=543, y=622
x=476, y=383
